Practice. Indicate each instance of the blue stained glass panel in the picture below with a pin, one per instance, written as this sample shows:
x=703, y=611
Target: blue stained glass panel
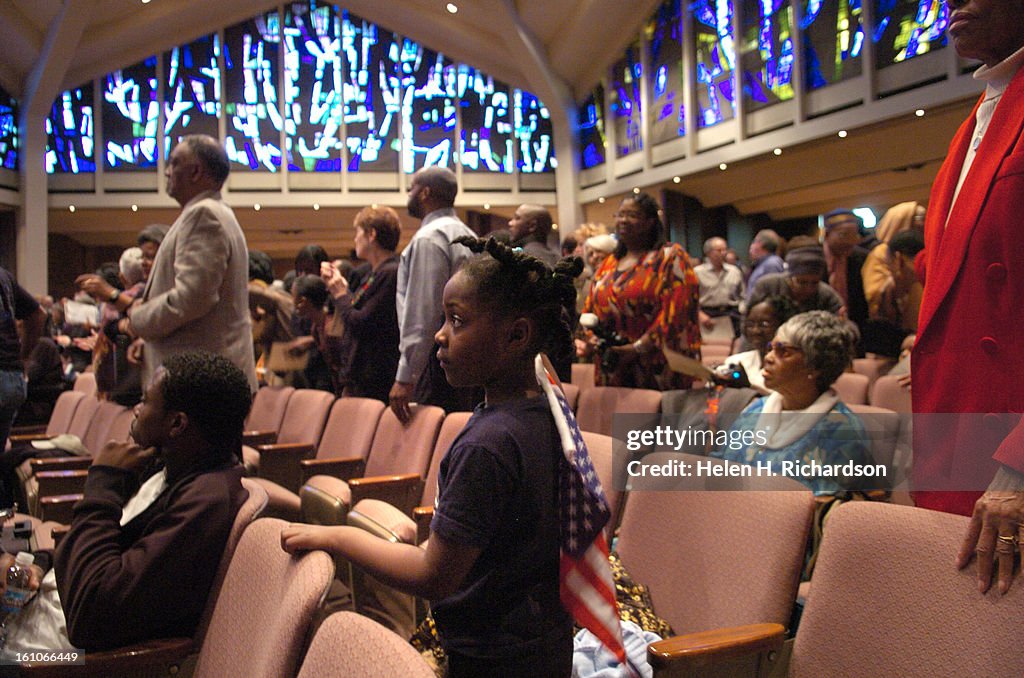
x=591, y=132
x=191, y=90
x=9, y=138
x=833, y=41
x=664, y=34
x=428, y=107
x=371, y=95
x=624, y=103
x=312, y=87
x=131, y=114
x=533, y=134
x=70, y=133
x=767, y=52
x=485, y=108
x=715, y=59
x=253, y=137
x=904, y=29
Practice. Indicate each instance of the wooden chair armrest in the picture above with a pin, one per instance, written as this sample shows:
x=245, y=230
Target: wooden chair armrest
x=58, y=533
x=422, y=515
x=26, y=433
x=742, y=650
x=401, y=491
x=279, y=462
x=122, y=661
x=60, y=464
x=254, y=438
x=52, y=483
x=59, y=508
x=346, y=469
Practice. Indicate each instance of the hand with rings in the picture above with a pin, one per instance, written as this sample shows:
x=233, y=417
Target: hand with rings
x=993, y=537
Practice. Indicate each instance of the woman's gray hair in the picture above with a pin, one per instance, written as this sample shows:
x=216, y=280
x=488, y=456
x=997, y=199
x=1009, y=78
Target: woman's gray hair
x=130, y=265
x=826, y=341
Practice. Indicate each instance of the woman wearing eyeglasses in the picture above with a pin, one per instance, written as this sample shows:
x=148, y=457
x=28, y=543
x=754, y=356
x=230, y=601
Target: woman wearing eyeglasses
x=802, y=421
x=759, y=327
x=646, y=293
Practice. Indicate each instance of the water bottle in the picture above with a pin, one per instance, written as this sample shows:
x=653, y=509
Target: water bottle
x=18, y=592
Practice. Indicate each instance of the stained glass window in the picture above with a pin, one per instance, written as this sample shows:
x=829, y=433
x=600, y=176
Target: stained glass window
x=9, y=140
x=624, y=103
x=428, y=107
x=312, y=87
x=767, y=52
x=371, y=95
x=715, y=60
x=254, y=126
x=70, y=134
x=592, y=135
x=131, y=114
x=486, y=113
x=191, y=90
x=833, y=40
x=905, y=29
x=665, y=79
x=533, y=134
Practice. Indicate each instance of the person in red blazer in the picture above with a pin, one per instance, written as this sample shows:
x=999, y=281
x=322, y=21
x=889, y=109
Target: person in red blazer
x=969, y=354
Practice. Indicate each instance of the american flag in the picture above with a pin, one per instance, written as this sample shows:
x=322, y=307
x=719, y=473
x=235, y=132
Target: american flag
x=587, y=589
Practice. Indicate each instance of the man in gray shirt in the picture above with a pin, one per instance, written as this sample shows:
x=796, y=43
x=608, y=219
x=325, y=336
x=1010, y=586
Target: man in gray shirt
x=427, y=262
x=721, y=286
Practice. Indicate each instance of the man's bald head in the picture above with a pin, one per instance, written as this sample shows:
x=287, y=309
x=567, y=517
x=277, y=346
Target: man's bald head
x=530, y=222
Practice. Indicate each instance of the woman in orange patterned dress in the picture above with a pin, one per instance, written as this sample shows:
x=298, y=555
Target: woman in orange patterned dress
x=646, y=292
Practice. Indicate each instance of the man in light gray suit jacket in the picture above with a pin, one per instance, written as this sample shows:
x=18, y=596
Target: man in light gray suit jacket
x=197, y=296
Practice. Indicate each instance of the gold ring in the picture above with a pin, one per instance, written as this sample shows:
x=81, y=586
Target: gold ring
x=1008, y=539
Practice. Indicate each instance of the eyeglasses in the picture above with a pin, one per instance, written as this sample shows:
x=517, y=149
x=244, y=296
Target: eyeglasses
x=762, y=325
x=782, y=349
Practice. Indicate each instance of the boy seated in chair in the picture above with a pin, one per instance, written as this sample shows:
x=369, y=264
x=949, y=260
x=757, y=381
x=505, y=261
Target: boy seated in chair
x=146, y=539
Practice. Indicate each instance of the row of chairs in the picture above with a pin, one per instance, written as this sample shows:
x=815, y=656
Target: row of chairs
x=259, y=620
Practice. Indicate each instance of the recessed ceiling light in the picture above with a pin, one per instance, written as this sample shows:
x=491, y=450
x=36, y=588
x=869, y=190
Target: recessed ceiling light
x=723, y=167
x=554, y=227
x=487, y=205
x=676, y=180
x=601, y=200
x=135, y=208
x=636, y=191
x=145, y=2
x=777, y=151
x=71, y=208
x=452, y=8
x=257, y=207
x=842, y=134
x=316, y=207
x=919, y=112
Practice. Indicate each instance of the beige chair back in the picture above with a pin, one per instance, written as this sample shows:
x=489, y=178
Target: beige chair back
x=265, y=607
x=887, y=601
x=64, y=412
x=714, y=559
x=572, y=394
x=350, y=428
x=405, y=449
x=268, y=408
x=85, y=383
x=84, y=414
x=450, y=429
x=888, y=393
x=99, y=428
x=598, y=404
x=852, y=388
x=349, y=644
x=583, y=375
x=305, y=416
x=254, y=505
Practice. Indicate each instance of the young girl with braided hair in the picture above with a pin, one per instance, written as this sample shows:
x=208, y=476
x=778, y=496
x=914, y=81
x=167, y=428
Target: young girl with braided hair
x=490, y=568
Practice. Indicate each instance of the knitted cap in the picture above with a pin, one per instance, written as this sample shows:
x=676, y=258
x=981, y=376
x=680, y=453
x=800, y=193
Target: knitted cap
x=805, y=261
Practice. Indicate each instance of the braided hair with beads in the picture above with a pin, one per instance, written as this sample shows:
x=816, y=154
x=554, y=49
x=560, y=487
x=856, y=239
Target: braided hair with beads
x=512, y=283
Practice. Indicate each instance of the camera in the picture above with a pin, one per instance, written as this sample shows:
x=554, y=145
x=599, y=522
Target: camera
x=606, y=339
